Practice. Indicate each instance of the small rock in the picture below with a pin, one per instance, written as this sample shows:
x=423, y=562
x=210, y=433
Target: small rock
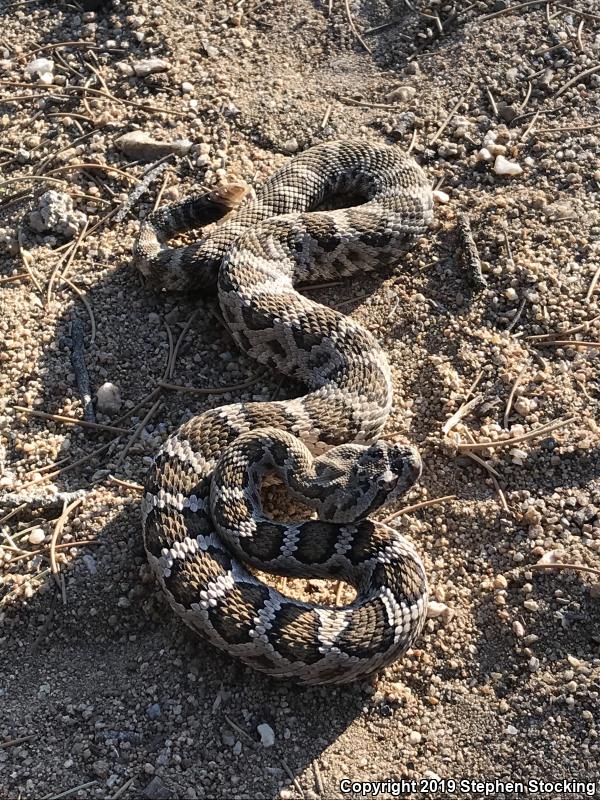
x=403, y=93
x=552, y=557
x=41, y=68
x=55, y=213
x=153, y=711
x=267, y=734
x=511, y=730
x=531, y=605
x=502, y=166
x=100, y=768
x=187, y=87
x=156, y=790
x=414, y=737
x=125, y=68
x=518, y=629
x=142, y=147
x=534, y=664
x=153, y=318
x=441, y=197
x=435, y=609
x=500, y=582
x=108, y=399
x=150, y=66
x=484, y=155
x=36, y=536
x=290, y=146
x=90, y=563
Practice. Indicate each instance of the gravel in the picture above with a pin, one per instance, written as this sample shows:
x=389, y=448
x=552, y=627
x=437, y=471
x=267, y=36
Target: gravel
x=102, y=688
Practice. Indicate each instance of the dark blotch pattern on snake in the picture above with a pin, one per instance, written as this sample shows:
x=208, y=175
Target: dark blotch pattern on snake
x=202, y=514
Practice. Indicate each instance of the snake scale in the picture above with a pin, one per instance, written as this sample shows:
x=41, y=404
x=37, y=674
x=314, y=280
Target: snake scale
x=203, y=520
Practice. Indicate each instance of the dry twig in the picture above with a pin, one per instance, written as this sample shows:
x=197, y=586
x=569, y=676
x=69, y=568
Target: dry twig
x=543, y=430
x=84, y=423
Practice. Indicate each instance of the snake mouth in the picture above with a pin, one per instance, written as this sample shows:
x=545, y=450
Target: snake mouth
x=406, y=462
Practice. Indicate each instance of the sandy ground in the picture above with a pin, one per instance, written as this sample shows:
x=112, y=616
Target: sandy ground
x=104, y=694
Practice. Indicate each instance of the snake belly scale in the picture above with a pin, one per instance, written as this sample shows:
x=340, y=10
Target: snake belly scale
x=203, y=523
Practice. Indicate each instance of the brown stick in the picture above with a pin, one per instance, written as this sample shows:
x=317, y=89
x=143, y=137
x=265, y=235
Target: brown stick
x=95, y=426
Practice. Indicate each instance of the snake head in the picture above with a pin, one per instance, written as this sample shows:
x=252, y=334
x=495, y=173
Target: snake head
x=369, y=477
x=392, y=468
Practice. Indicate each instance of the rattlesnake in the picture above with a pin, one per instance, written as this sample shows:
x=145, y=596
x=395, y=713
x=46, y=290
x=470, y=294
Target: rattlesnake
x=201, y=508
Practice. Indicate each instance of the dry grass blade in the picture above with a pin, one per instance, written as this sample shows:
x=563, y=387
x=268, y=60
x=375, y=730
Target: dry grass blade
x=68, y=792
x=18, y=277
x=68, y=467
x=568, y=343
x=180, y=339
x=57, y=533
x=62, y=546
x=122, y=789
x=417, y=506
x=349, y=101
x=543, y=430
x=95, y=426
x=355, y=30
x=584, y=326
x=493, y=475
x=18, y=740
x=560, y=565
x=138, y=431
x=577, y=78
x=135, y=487
x=236, y=387
x=511, y=396
x=463, y=411
x=510, y=9
x=593, y=285
x=453, y=111
x=69, y=255
x=25, y=260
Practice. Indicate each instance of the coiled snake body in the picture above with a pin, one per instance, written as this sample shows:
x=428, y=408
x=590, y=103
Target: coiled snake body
x=202, y=515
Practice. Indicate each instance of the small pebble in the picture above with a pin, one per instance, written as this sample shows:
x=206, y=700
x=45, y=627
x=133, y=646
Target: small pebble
x=36, y=536
x=149, y=66
x=290, y=146
x=441, y=197
x=108, y=399
x=153, y=711
x=267, y=734
x=502, y=166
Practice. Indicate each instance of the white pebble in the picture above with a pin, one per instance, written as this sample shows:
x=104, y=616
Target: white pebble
x=435, y=609
x=37, y=536
x=41, y=68
x=414, y=737
x=484, y=155
x=291, y=146
x=150, y=66
x=441, y=197
x=108, y=398
x=511, y=730
x=531, y=605
x=502, y=166
x=518, y=629
x=267, y=734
